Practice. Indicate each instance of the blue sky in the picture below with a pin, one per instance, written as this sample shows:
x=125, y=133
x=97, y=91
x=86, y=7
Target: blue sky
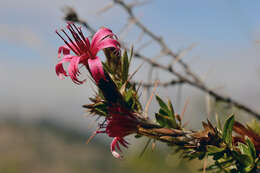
x=226, y=34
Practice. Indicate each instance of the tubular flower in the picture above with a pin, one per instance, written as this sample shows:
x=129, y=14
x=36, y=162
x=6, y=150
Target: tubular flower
x=119, y=124
x=85, y=53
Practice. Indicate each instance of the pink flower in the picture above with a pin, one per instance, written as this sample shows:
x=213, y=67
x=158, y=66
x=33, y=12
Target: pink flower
x=85, y=53
x=119, y=124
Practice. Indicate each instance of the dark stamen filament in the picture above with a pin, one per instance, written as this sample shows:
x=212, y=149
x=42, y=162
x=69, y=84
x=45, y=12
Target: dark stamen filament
x=76, y=38
x=64, y=41
x=77, y=51
x=82, y=35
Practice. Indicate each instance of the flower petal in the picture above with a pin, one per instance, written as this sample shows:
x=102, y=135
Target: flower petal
x=118, y=147
x=99, y=35
x=113, y=150
x=59, y=67
x=65, y=50
x=73, y=70
x=69, y=46
x=106, y=43
x=96, y=69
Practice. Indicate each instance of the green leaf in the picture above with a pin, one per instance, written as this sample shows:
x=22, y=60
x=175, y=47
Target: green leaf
x=101, y=109
x=219, y=165
x=255, y=126
x=243, y=159
x=217, y=156
x=224, y=164
x=251, y=148
x=172, y=115
x=160, y=119
x=163, y=112
x=171, y=108
x=125, y=67
x=227, y=131
x=196, y=155
x=100, y=112
x=258, y=163
x=165, y=120
x=128, y=95
x=162, y=104
x=213, y=149
x=107, y=68
x=131, y=53
x=173, y=123
x=167, y=113
x=248, y=169
x=244, y=149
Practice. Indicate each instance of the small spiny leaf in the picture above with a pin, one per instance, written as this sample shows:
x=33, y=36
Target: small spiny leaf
x=227, y=131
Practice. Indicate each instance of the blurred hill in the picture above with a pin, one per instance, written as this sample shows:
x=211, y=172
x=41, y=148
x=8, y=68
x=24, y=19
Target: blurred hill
x=46, y=147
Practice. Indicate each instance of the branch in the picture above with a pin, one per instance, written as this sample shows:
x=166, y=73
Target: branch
x=158, y=39
x=71, y=15
x=118, y=102
x=215, y=95
x=161, y=84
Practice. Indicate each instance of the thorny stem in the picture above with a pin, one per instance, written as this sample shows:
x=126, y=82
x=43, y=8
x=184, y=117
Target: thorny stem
x=72, y=16
x=197, y=82
x=161, y=84
x=201, y=87
x=170, y=136
x=180, y=137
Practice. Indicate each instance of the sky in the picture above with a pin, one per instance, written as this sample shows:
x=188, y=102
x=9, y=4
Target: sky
x=226, y=34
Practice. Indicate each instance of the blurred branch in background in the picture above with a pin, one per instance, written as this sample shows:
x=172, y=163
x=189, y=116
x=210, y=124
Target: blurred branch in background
x=232, y=147
x=189, y=78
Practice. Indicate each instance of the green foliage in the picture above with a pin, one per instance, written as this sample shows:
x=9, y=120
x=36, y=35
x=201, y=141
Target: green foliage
x=229, y=158
x=131, y=99
x=255, y=126
x=97, y=108
x=227, y=131
x=212, y=142
x=251, y=148
x=125, y=67
x=246, y=156
x=166, y=116
x=119, y=71
x=213, y=149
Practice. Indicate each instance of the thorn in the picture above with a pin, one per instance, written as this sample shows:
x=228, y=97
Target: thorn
x=92, y=136
x=131, y=76
x=144, y=45
x=124, y=31
x=208, y=105
x=140, y=37
x=185, y=124
x=153, y=145
x=150, y=99
x=185, y=107
x=138, y=3
x=145, y=147
x=105, y=8
x=183, y=52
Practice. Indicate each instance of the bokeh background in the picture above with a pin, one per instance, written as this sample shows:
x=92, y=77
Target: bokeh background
x=43, y=127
